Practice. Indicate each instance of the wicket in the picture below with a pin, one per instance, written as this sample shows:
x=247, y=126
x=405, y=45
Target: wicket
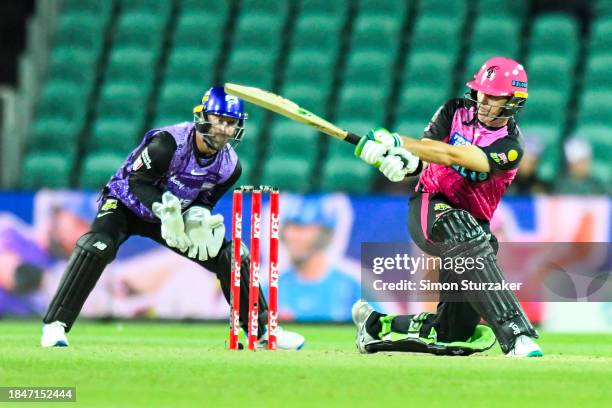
x=253, y=317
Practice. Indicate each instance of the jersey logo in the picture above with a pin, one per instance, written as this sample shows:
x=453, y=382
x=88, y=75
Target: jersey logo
x=143, y=158
x=499, y=158
x=457, y=139
x=109, y=204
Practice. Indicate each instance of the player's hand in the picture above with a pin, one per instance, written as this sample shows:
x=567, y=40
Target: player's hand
x=373, y=146
x=398, y=164
x=205, y=231
x=172, y=226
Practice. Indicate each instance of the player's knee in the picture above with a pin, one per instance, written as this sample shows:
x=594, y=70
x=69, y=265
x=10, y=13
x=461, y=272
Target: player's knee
x=99, y=244
x=455, y=226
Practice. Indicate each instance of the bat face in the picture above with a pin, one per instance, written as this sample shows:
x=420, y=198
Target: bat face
x=287, y=108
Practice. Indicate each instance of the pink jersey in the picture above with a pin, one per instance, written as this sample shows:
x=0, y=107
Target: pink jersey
x=476, y=192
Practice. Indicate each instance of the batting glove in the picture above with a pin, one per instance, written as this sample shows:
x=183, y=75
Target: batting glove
x=398, y=164
x=205, y=231
x=172, y=227
x=373, y=146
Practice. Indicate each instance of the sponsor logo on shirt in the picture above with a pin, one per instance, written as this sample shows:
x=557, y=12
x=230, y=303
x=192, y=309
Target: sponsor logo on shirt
x=109, y=204
x=143, y=158
x=176, y=182
x=499, y=158
x=457, y=139
x=512, y=155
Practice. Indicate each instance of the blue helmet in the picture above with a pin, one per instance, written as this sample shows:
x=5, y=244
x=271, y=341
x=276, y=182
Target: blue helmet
x=216, y=102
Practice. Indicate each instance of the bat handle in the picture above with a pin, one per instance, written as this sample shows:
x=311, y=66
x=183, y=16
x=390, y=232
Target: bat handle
x=352, y=138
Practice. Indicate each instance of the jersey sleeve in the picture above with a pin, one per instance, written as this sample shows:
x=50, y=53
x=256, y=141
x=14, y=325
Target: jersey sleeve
x=209, y=198
x=439, y=126
x=149, y=168
x=504, y=154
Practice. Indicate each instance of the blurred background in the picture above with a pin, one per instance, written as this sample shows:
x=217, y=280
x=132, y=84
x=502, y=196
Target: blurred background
x=82, y=80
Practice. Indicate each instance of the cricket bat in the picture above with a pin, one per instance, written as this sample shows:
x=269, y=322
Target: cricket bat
x=289, y=109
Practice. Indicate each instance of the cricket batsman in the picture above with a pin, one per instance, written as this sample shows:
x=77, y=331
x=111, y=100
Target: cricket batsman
x=166, y=190
x=467, y=157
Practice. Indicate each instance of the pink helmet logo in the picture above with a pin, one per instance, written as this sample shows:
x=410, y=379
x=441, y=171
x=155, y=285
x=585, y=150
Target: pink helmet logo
x=500, y=76
x=491, y=71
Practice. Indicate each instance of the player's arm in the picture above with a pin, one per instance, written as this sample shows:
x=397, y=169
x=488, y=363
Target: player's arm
x=383, y=150
x=155, y=158
x=209, y=198
x=433, y=151
x=503, y=154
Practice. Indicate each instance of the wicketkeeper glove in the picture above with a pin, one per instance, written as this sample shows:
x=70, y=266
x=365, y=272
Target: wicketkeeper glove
x=172, y=227
x=373, y=146
x=398, y=164
x=205, y=231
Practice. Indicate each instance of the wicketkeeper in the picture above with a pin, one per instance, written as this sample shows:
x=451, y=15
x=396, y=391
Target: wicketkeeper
x=467, y=157
x=166, y=190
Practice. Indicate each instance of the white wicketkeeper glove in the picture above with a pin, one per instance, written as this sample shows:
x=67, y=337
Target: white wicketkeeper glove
x=205, y=231
x=373, y=146
x=398, y=163
x=172, y=227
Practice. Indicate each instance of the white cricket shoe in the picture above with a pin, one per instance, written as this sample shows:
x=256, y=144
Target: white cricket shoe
x=360, y=312
x=54, y=335
x=525, y=346
x=285, y=340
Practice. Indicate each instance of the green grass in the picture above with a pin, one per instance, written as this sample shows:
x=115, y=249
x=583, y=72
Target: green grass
x=180, y=365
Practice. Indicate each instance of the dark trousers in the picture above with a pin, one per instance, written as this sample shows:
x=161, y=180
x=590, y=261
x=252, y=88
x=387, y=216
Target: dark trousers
x=455, y=320
x=119, y=223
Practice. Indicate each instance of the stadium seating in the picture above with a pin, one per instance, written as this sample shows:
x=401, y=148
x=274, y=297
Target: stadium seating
x=122, y=66
x=98, y=168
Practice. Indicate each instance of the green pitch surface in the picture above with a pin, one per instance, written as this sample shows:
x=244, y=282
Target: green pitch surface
x=180, y=365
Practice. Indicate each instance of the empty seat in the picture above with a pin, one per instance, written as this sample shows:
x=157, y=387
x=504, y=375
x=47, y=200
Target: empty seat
x=430, y=69
x=436, y=34
x=115, y=135
x=418, y=104
x=347, y=175
x=389, y=8
x=177, y=100
x=600, y=42
x=487, y=28
x=288, y=173
x=555, y=33
x=98, y=167
x=363, y=102
x=379, y=33
x=294, y=140
x=595, y=108
x=336, y=9
x=308, y=97
x=250, y=67
x=597, y=75
x=45, y=169
x=369, y=68
x=312, y=68
x=550, y=71
x=450, y=9
x=131, y=64
x=216, y=8
x=317, y=33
